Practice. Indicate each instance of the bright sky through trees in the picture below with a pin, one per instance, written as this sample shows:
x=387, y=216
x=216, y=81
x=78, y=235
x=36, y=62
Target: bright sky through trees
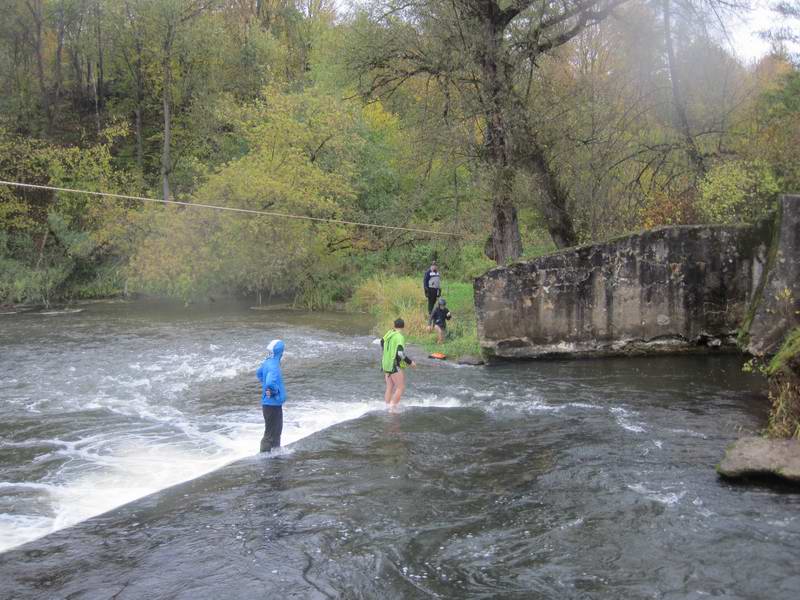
x=745, y=29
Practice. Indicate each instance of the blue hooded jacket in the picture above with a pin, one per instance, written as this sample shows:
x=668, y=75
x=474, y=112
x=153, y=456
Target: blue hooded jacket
x=270, y=376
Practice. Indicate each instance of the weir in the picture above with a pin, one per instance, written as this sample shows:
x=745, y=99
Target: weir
x=670, y=290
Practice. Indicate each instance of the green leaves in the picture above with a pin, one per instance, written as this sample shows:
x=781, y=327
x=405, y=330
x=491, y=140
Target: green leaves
x=299, y=162
x=737, y=192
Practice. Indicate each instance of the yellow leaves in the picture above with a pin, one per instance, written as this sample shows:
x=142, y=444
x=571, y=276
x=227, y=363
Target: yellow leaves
x=378, y=118
x=663, y=208
x=300, y=162
x=14, y=213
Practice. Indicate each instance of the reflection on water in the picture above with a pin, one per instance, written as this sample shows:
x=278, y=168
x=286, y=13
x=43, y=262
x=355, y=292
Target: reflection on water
x=586, y=479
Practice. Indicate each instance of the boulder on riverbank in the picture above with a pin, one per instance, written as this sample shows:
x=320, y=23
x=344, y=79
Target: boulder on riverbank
x=762, y=457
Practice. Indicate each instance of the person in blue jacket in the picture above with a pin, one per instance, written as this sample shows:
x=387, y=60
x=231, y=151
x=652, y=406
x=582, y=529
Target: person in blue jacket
x=273, y=395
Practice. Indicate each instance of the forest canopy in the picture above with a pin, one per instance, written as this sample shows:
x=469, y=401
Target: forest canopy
x=516, y=126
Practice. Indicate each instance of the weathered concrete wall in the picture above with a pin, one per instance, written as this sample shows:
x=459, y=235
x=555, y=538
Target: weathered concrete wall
x=776, y=307
x=668, y=290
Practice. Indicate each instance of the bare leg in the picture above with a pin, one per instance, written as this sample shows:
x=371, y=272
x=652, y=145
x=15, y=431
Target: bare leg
x=439, y=335
x=387, y=396
x=399, y=380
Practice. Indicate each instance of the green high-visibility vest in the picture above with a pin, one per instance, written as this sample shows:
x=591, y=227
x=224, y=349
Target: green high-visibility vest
x=391, y=341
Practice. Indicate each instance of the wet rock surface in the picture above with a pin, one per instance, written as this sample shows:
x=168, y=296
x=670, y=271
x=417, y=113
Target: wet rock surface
x=669, y=290
x=777, y=307
x=761, y=457
x=473, y=361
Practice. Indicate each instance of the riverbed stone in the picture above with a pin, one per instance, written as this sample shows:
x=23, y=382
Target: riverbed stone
x=672, y=289
x=470, y=360
x=758, y=457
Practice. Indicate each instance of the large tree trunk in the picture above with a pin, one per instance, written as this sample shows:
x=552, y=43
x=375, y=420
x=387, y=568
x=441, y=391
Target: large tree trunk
x=554, y=209
x=506, y=242
x=139, y=77
x=166, y=96
x=677, y=94
x=139, y=144
x=136, y=69
x=100, y=81
x=97, y=108
x=36, y=10
x=166, y=165
x=57, y=70
x=77, y=72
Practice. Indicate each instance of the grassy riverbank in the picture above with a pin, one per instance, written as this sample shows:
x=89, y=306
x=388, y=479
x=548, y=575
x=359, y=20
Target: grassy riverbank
x=784, y=389
x=387, y=298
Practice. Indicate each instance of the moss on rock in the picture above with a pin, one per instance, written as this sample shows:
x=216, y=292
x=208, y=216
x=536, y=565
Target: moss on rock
x=769, y=229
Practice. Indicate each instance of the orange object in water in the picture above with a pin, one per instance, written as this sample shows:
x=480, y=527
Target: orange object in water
x=438, y=355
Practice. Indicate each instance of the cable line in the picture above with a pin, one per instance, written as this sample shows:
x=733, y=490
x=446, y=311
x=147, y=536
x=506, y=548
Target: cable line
x=251, y=211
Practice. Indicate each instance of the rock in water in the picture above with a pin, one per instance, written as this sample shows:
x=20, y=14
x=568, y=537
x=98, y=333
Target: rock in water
x=757, y=456
x=471, y=360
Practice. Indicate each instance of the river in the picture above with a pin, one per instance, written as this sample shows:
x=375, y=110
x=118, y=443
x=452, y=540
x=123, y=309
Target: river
x=573, y=479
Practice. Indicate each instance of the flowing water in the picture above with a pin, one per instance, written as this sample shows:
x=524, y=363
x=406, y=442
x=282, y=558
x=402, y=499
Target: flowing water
x=582, y=479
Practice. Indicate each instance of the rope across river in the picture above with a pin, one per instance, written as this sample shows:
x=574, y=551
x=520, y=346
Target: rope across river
x=264, y=213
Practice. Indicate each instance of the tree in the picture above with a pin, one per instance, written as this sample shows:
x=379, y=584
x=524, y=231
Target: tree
x=170, y=20
x=787, y=34
x=482, y=54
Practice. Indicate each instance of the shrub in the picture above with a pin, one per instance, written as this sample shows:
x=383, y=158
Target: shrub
x=784, y=389
x=737, y=192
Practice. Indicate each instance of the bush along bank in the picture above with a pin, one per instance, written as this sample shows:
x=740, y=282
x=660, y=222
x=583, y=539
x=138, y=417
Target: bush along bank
x=390, y=297
x=784, y=389
x=776, y=454
x=773, y=329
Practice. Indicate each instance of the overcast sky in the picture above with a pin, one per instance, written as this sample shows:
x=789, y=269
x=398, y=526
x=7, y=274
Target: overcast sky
x=743, y=31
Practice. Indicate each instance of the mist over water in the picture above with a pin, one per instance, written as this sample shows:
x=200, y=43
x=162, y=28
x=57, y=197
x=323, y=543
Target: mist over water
x=575, y=479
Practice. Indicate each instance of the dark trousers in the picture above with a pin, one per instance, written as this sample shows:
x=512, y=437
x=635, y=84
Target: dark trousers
x=432, y=294
x=273, y=426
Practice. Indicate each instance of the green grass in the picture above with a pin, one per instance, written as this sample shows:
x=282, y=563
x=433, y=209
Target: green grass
x=388, y=298
x=784, y=389
x=784, y=415
x=789, y=350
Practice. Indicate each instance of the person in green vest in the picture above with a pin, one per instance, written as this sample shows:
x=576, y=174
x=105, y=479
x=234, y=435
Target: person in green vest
x=394, y=361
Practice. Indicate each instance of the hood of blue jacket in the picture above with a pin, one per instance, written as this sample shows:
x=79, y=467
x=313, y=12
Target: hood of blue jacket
x=275, y=350
x=270, y=376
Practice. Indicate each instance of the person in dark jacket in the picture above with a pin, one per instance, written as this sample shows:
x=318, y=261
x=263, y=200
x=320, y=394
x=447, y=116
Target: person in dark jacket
x=439, y=318
x=273, y=395
x=432, y=285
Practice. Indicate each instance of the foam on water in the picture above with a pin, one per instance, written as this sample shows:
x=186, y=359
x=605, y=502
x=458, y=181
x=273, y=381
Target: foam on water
x=623, y=417
x=154, y=438
x=63, y=311
x=137, y=427
x=662, y=497
x=105, y=470
x=108, y=473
